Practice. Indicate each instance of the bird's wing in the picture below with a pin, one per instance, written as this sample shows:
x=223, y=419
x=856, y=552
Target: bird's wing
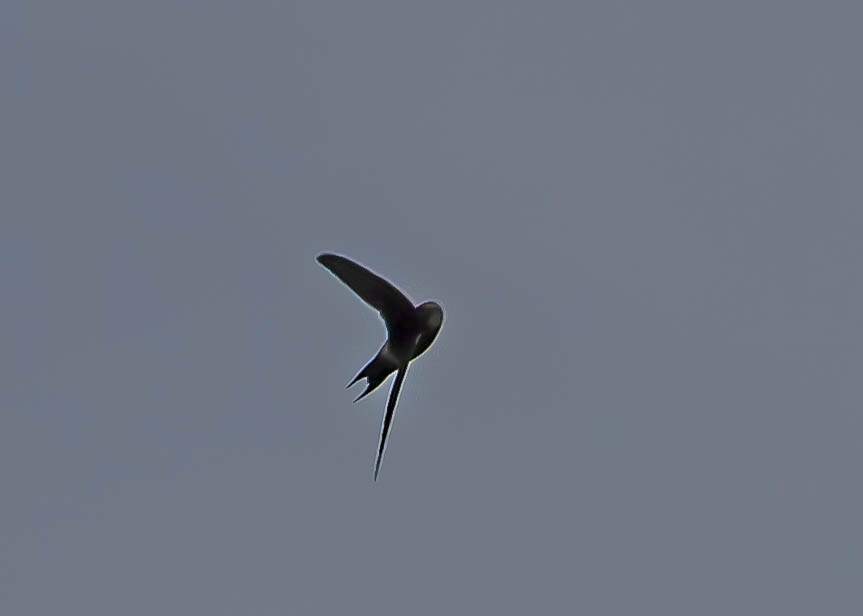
x=393, y=305
x=388, y=416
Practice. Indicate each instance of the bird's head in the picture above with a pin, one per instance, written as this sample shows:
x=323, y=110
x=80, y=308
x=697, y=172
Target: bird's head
x=430, y=315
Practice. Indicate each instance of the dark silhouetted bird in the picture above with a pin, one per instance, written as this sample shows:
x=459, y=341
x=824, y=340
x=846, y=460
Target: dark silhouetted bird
x=410, y=331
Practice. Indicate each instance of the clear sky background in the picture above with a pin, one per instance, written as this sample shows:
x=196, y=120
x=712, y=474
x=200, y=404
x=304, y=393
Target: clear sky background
x=643, y=220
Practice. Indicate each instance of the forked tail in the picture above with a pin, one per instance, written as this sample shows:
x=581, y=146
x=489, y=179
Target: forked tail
x=376, y=371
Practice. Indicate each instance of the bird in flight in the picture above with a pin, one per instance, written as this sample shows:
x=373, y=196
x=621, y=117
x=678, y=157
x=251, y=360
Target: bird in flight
x=410, y=331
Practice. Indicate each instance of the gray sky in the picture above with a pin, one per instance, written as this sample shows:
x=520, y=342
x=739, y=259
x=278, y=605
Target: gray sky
x=643, y=221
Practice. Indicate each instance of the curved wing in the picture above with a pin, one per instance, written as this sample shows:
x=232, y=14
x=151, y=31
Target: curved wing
x=393, y=305
x=388, y=416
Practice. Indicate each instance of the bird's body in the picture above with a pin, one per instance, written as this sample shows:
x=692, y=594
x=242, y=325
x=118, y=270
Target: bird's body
x=410, y=331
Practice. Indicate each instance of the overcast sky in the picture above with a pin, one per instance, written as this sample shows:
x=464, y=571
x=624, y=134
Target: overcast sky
x=643, y=221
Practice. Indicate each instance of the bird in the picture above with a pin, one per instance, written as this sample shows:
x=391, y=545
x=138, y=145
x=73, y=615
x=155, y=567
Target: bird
x=410, y=332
